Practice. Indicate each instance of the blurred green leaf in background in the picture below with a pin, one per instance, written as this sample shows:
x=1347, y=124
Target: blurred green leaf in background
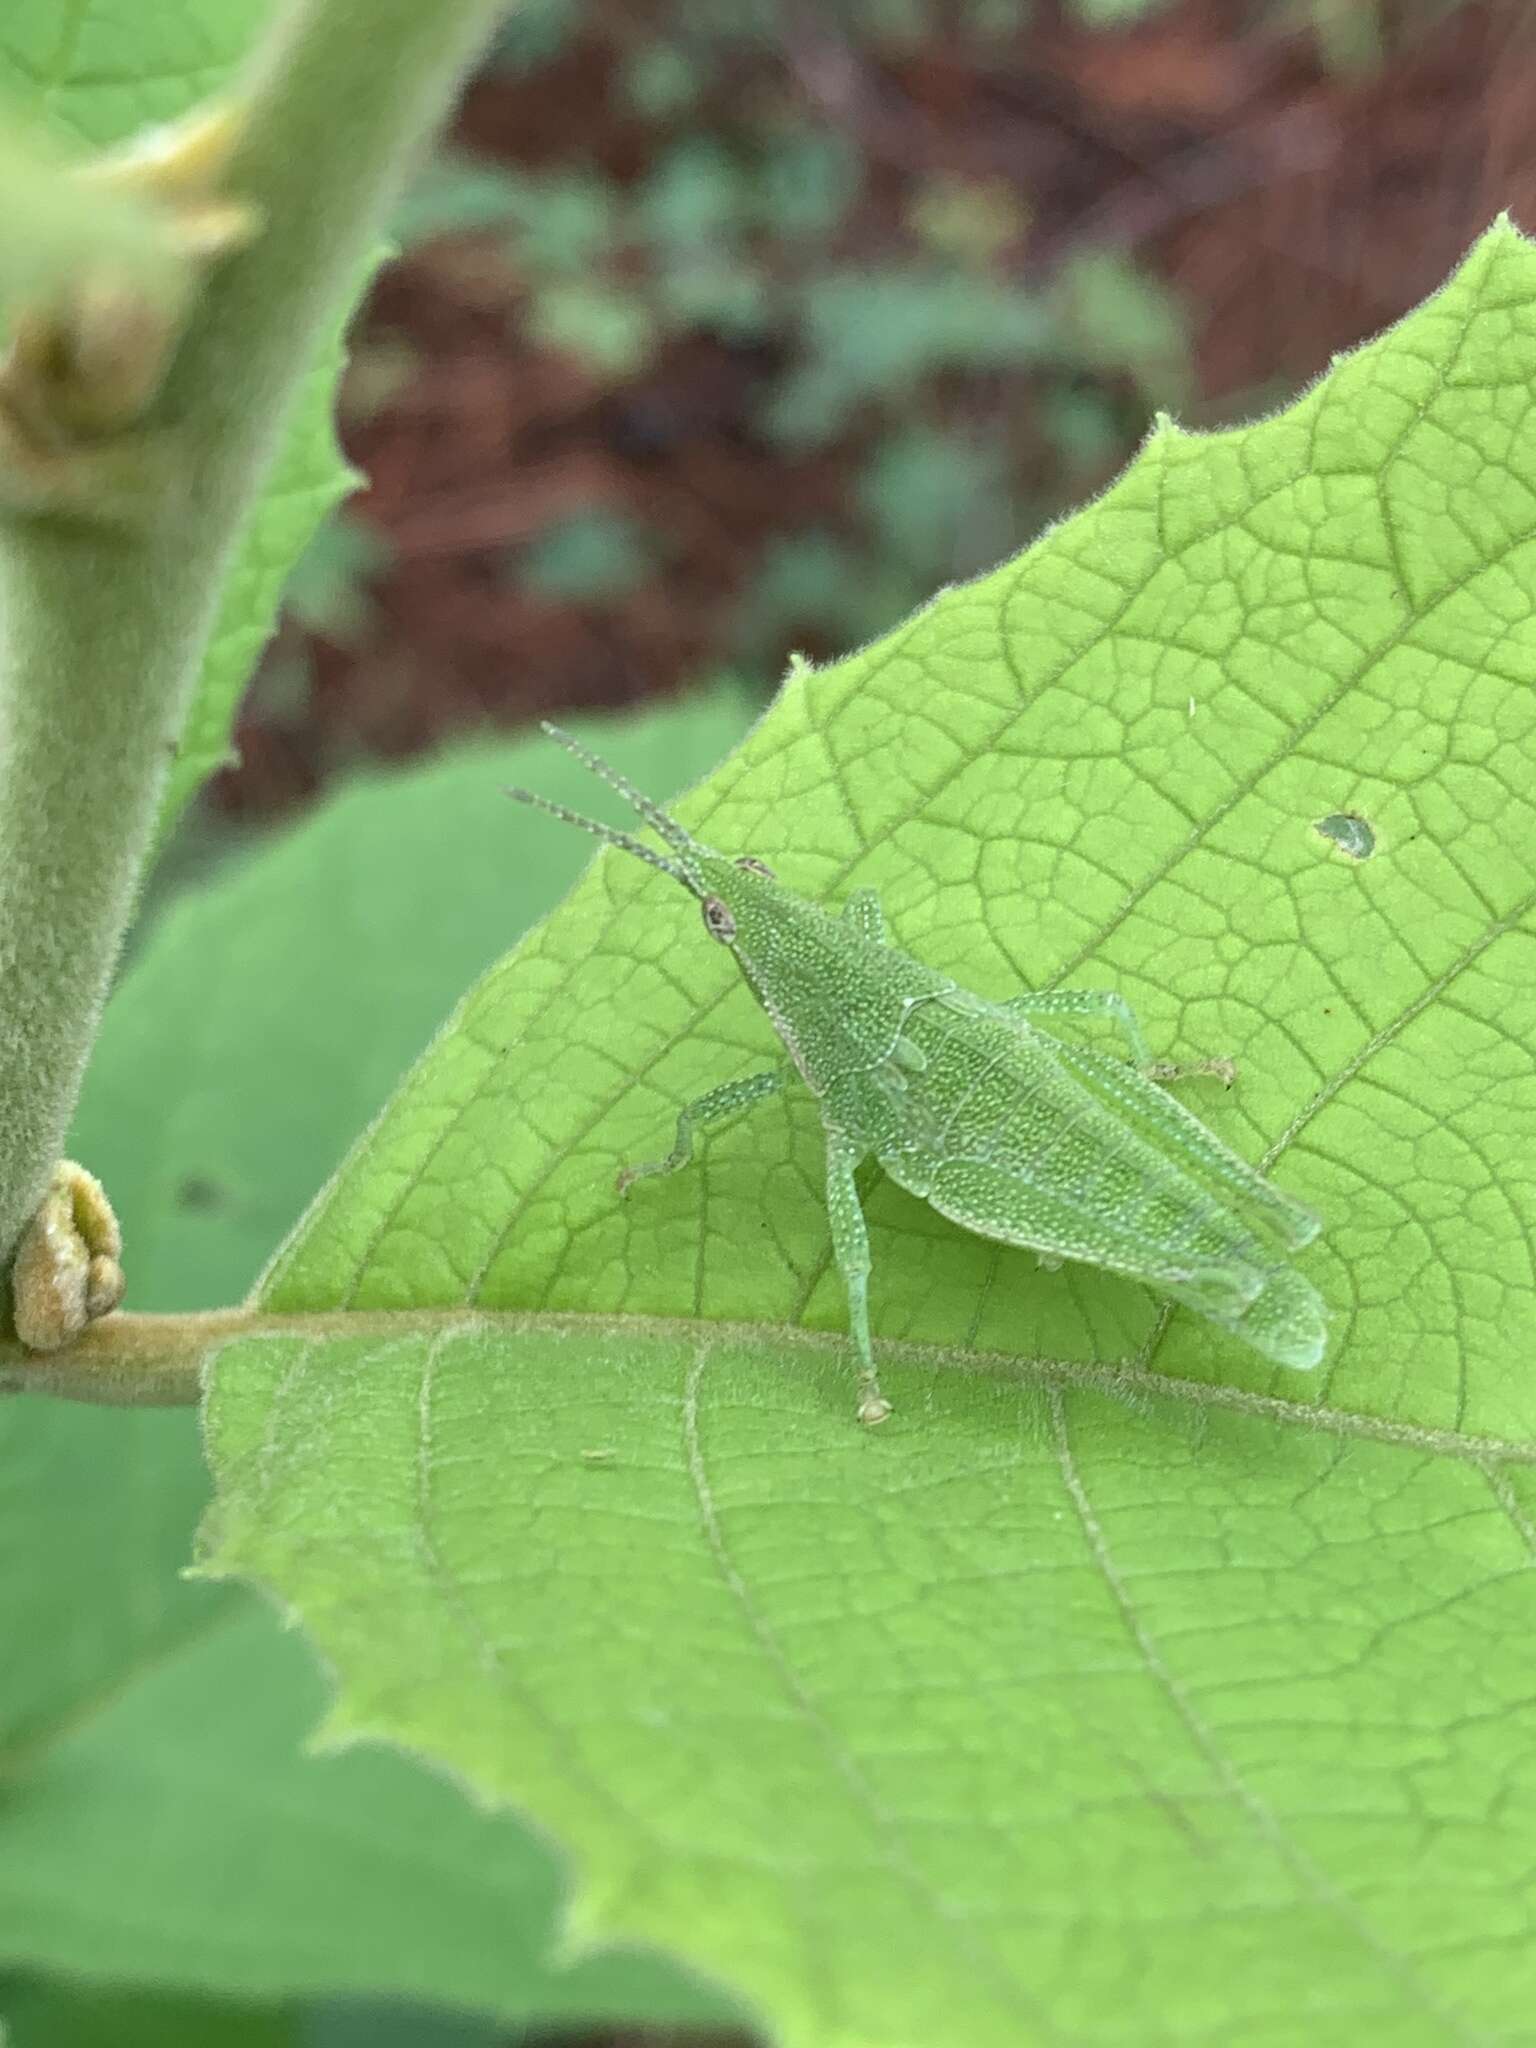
x=160, y=1824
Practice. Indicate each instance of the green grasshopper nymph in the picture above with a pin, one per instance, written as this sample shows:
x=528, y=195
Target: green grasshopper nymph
x=1007, y=1130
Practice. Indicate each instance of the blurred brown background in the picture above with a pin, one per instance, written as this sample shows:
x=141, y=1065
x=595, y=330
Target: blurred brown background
x=727, y=327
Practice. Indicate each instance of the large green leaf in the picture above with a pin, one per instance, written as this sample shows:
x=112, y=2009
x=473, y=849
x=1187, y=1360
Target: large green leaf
x=98, y=70
x=1123, y=1687
x=158, y=1824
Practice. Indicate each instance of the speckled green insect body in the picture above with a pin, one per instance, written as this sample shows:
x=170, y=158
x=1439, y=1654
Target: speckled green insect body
x=1007, y=1130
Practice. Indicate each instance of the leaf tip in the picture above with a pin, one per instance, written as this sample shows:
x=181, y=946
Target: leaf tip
x=337, y=1731
x=1504, y=227
x=1503, y=237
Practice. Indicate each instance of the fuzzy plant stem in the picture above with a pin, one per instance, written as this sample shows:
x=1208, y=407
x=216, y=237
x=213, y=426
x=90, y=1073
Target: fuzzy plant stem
x=102, y=629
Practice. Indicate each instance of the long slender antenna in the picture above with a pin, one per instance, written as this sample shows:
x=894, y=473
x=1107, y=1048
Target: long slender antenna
x=653, y=814
x=598, y=831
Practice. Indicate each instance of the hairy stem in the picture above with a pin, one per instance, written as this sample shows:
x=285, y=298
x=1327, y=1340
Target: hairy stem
x=102, y=628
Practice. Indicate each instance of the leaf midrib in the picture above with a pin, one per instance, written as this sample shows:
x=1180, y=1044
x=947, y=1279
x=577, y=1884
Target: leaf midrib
x=189, y=1345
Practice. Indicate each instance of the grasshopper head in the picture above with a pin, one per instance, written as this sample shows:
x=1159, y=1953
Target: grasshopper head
x=722, y=885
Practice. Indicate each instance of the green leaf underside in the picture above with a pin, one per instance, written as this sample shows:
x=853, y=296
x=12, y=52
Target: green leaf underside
x=97, y=74
x=1051, y=1715
x=1040, y=1714
x=158, y=1824
x=308, y=478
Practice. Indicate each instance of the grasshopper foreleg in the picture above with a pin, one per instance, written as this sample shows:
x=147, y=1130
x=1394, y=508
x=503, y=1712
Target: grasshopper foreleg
x=850, y=1243
x=713, y=1108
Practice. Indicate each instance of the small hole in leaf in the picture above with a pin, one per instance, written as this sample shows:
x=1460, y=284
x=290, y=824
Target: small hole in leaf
x=1349, y=833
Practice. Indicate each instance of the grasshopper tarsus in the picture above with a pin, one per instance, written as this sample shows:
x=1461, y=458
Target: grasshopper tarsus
x=1163, y=1071
x=873, y=1406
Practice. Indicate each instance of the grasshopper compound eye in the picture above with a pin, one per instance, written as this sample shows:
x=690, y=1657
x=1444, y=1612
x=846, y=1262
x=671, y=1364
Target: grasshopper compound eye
x=758, y=867
x=718, y=921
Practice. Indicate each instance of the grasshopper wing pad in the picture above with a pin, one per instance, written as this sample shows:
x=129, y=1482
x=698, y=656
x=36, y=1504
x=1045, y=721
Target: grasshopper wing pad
x=1193, y=1148
x=990, y=1200
x=1263, y=1302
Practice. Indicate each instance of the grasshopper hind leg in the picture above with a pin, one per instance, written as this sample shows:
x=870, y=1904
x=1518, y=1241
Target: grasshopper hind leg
x=1083, y=1002
x=850, y=1243
x=1093, y=1002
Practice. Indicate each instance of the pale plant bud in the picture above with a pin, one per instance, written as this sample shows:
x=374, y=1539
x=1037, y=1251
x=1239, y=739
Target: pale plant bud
x=68, y=1271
